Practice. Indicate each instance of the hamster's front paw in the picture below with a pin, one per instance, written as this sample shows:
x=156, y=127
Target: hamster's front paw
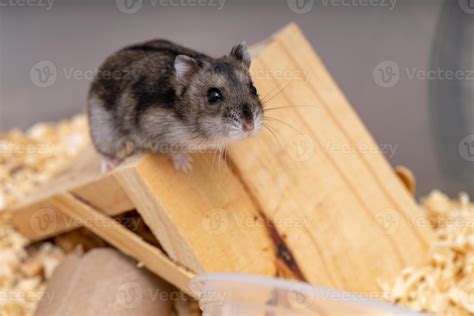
x=107, y=164
x=182, y=162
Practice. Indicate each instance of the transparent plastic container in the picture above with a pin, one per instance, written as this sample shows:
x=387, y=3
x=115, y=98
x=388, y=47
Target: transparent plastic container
x=231, y=294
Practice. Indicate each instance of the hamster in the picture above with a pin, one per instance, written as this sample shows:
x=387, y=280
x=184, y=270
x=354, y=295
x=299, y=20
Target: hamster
x=161, y=97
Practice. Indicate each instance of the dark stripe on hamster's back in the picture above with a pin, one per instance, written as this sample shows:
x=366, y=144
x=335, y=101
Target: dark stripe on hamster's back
x=153, y=45
x=148, y=93
x=148, y=48
x=165, y=47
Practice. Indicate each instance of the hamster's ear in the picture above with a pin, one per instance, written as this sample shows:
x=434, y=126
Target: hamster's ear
x=241, y=53
x=185, y=67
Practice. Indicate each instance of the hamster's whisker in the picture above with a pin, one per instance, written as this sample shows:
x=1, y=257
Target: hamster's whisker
x=212, y=166
x=211, y=171
x=225, y=155
x=291, y=106
x=278, y=92
x=218, y=153
x=268, y=93
x=272, y=128
x=264, y=102
x=272, y=133
x=284, y=123
x=223, y=158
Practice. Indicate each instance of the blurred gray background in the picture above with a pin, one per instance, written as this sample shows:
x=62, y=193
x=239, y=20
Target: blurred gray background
x=355, y=39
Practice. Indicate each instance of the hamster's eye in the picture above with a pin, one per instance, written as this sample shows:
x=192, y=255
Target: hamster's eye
x=252, y=88
x=214, y=95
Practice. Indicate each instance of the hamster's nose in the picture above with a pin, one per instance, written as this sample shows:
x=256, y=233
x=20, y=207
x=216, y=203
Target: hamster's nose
x=247, y=126
x=247, y=118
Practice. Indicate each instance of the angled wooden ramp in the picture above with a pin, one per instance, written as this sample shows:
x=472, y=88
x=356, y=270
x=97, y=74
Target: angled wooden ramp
x=311, y=199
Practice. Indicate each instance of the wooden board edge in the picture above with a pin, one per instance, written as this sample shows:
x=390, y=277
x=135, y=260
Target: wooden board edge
x=124, y=240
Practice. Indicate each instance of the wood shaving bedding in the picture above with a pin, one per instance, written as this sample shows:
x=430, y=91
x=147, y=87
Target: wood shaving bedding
x=443, y=286
x=31, y=158
x=26, y=161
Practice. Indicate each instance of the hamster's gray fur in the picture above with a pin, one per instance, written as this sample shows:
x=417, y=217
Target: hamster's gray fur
x=161, y=97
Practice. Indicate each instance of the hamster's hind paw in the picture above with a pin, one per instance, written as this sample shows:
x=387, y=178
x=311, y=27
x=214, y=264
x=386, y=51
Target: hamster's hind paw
x=182, y=162
x=107, y=164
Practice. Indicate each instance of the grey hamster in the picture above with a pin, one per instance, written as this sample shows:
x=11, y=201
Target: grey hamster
x=161, y=97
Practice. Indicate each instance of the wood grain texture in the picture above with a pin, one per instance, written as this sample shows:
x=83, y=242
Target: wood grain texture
x=202, y=219
x=126, y=241
x=341, y=209
x=37, y=218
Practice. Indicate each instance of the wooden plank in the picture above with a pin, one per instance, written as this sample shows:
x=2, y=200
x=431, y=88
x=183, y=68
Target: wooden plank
x=123, y=239
x=202, y=219
x=330, y=193
x=36, y=218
